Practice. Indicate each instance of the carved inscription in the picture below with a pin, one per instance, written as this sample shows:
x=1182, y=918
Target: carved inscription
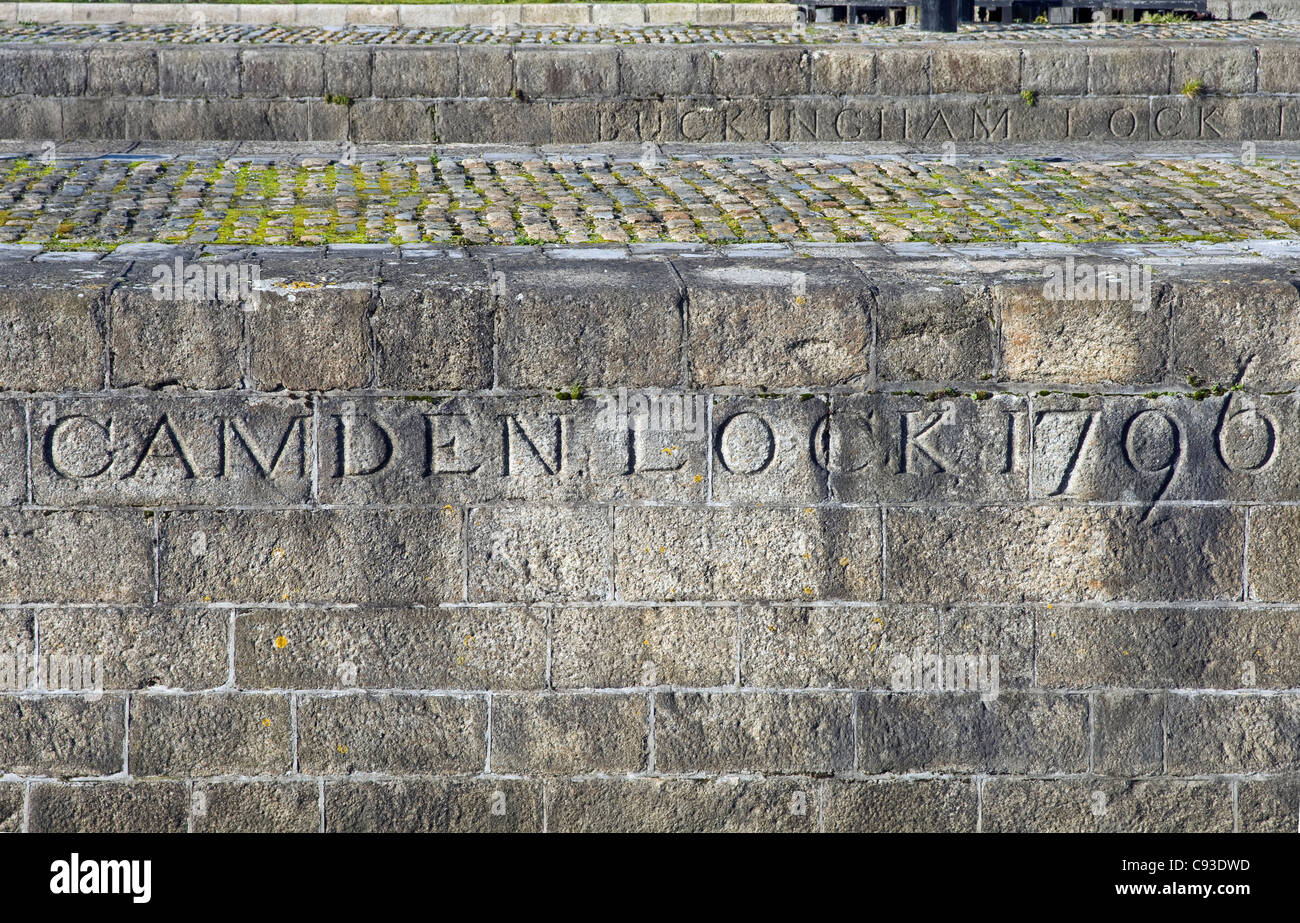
x=154, y=451
x=855, y=448
x=875, y=119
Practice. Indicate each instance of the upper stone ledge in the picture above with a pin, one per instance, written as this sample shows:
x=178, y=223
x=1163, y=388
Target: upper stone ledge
x=206, y=32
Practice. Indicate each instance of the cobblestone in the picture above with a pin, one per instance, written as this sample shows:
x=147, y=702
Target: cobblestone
x=716, y=196
x=738, y=34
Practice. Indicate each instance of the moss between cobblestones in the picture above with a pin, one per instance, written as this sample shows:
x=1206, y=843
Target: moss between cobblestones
x=719, y=200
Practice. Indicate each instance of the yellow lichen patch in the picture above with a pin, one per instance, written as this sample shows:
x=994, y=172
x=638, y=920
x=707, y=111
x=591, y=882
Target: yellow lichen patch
x=698, y=478
x=341, y=748
x=281, y=642
x=266, y=722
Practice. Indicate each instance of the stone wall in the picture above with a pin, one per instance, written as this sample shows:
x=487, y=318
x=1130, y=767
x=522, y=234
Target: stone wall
x=519, y=541
x=922, y=92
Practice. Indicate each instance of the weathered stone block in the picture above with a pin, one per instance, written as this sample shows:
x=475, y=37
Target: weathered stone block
x=607, y=647
x=682, y=806
x=1223, y=69
x=1129, y=69
x=63, y=735
x=1148, y=648
x=76, y=557
x=1274, y=576
x=395, y=121
x=110, y=807
x=433, y=326
x=477, y=121
x=167, y=648
x=524, y=554
x=470, y=648
x=310, y=329
x=1069, y=553
x=566, y=72
x=126, y=70
x=277, y=72
x=347, y=72
x=1268, y=805
x=768, y=71
x=42, y=71
x=838, y=647
x=434, y=806
x=920, y=806
x=1013, y=732
x=765, y=449
x=1105, y=806
x=1128, y=734
x=843, y=70
x=974, y=70
x=204, y=71
x=650, y=71
x=593, y=323
x=567, y=734
x=661, y=553
x=192, y=338
x=935, y=333
x=1054, y=70
x=52, y=326
x=1279, y=68
x=415, y=72
x=396, y=734
x=1238, y=331
x=256, y=807
x=485, y=71
x=328, y=556
x=902, y=71
x=1080, y=341
x=775, y=324
x=753, y=732
x=210, y=734
x=1231, y=734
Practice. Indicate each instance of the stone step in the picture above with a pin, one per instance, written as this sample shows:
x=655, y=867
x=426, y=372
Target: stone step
x=1057, y=84
x=1179, y=318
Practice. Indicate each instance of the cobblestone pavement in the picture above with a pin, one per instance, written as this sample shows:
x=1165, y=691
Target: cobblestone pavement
x=670, y=34
x=719, y=196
